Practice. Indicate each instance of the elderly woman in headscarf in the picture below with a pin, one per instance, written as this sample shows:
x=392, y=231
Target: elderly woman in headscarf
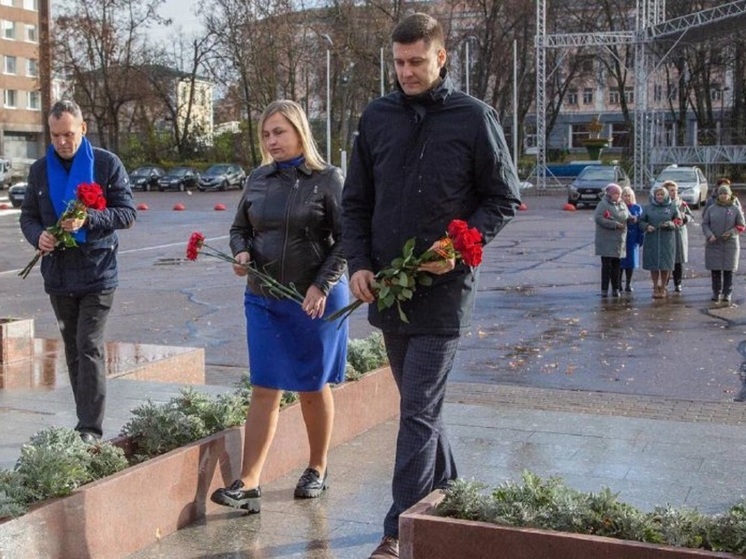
x=659, y=220
x=722, y=223
x=611, y=232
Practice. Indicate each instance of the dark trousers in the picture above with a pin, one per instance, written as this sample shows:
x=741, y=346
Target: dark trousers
x=82, y=320
x=722, y=282
x=610, y=273
x=424, y=460
x=626, y=275
x=678, y=273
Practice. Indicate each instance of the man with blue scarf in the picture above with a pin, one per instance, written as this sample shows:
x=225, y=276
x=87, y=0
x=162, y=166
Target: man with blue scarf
x=80, y=280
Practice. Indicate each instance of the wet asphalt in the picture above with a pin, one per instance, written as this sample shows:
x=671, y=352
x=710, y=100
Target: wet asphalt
x=539, y=321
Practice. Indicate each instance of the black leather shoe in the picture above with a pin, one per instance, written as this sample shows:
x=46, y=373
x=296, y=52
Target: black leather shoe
x=89, y=438
x=310, y=484
x=238, y=498
x=677, y=288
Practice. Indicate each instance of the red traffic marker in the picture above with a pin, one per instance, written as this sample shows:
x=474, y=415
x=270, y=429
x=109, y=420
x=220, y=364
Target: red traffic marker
x=523, y=207
x=4, y=206
x=569, y=207
x=179, y=207
x=142, y=207
x=219, y=207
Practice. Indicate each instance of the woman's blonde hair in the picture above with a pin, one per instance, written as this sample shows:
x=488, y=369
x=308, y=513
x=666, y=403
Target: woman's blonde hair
x=296, y=116
x=628, y=190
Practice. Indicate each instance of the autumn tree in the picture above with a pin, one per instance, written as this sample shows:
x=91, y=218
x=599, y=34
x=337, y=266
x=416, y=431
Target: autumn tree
x=96, y=45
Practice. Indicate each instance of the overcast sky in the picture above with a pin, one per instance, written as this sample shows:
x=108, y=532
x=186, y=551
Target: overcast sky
x=182, y=14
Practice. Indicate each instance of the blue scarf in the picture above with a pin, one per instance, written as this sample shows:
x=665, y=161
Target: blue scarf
x=295, y=162
x=63, y=184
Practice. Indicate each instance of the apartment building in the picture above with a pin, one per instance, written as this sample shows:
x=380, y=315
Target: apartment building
x=21, y=114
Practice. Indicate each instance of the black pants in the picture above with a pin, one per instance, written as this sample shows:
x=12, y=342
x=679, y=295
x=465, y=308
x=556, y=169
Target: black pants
x=610, y=271
x=82, y=320
x=678, y=273
x=424, y=461
x=722, y=282
x=626, y=275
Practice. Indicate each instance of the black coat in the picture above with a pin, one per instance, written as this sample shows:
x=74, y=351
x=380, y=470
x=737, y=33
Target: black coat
x=289, y=222
x=92, y=266
x=418, y=163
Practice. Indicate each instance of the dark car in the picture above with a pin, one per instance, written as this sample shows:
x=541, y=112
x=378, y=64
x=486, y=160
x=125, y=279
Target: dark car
x=222, y=176
x=589, y=186
x=16, y=194
x=146, y=178
x=179, y=178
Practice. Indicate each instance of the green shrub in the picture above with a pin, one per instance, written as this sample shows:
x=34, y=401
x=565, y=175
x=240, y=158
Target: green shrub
x=551, y=505
x=365, y=354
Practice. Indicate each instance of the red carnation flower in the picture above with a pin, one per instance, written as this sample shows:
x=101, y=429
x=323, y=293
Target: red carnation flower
x=607, y=214
x=195, y=245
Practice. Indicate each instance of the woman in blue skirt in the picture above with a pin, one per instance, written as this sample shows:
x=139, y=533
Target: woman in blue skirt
x=288, y=226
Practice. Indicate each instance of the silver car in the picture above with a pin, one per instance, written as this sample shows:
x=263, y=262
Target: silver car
x=691, y=181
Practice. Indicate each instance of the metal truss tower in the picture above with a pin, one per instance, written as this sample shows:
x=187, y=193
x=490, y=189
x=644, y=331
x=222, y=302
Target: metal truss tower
x=651, y=26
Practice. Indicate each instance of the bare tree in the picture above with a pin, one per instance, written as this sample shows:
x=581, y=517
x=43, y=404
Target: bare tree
x=96, y=45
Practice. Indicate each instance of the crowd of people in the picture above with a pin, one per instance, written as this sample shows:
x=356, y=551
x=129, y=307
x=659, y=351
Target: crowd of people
x=659, y=230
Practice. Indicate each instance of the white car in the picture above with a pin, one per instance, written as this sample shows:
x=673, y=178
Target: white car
x=691, y=181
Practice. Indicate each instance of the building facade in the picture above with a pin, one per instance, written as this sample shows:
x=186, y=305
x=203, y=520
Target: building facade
x=21, y=113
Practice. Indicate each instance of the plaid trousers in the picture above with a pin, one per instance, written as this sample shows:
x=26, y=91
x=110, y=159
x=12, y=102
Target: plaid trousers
x=424, y=461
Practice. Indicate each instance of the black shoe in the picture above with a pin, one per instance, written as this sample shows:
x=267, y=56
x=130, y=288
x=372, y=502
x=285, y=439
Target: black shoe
x=238, y=498
x=616, y=293
x=89, y=438
x=311, y=484
x=628, y=288
x=726, y=299
x=677, y=288
x=715, y=297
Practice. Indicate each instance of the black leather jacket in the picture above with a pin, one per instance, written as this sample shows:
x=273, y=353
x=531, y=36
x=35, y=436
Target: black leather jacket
x=289, y=222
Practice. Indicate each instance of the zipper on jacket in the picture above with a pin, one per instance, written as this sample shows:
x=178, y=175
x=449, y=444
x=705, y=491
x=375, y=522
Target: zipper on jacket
x=288, y=205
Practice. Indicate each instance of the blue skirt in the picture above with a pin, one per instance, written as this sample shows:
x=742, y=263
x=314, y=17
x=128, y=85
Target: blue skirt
x=290, y=351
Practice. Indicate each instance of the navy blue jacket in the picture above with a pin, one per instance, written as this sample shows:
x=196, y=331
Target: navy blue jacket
x=90, y=267
x=418, y=163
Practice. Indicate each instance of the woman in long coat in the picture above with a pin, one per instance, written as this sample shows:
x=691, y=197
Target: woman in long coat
x=659, y=222
x=635, y=237
x=611, y=231
x=682, y=234
x=722, y=223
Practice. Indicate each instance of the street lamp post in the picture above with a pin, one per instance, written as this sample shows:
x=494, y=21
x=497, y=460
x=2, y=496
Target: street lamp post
x=722, y=113
x=328, y=99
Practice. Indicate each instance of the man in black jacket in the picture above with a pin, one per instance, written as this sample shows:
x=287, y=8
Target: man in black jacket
x=425, y=155
x=80, y=280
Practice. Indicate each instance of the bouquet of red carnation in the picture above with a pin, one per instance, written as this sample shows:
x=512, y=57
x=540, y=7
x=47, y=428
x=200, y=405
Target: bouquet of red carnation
x=88, y=196
x=197, y=246
x=397, y=283
x=678, y=222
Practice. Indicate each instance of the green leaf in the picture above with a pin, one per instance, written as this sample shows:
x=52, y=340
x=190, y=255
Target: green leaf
x=425, y=279
x=408, y=248
x=407, y=293
x=402, y=316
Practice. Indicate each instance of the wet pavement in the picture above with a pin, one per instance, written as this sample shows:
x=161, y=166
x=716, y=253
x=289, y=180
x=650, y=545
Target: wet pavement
x=539, y=319
x=633, y=394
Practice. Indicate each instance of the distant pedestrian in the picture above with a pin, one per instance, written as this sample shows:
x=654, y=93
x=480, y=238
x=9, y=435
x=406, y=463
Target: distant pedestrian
x=712, y=198
x=80, y=280
x=659, y=220
x=722, y=223
x=611, y=233
x=635, y=237
x=682, y=234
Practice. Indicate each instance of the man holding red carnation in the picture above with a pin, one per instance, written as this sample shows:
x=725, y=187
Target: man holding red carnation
x=425, y=155
x=77, y=197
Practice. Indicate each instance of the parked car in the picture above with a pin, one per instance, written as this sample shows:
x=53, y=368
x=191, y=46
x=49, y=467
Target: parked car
x=692, y=183
x=146, y=178
x=16, y=193
x=222, y=176
x=179, y=178
x=588, y=187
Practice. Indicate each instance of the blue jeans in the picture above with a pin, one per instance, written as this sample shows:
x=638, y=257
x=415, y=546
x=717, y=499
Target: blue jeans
x=424, y=461
x=82, y=321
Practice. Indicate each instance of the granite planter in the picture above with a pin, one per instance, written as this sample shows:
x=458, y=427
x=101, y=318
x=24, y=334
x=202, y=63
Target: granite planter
x=16, y=339
x=424, y=535
x=118, y=515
